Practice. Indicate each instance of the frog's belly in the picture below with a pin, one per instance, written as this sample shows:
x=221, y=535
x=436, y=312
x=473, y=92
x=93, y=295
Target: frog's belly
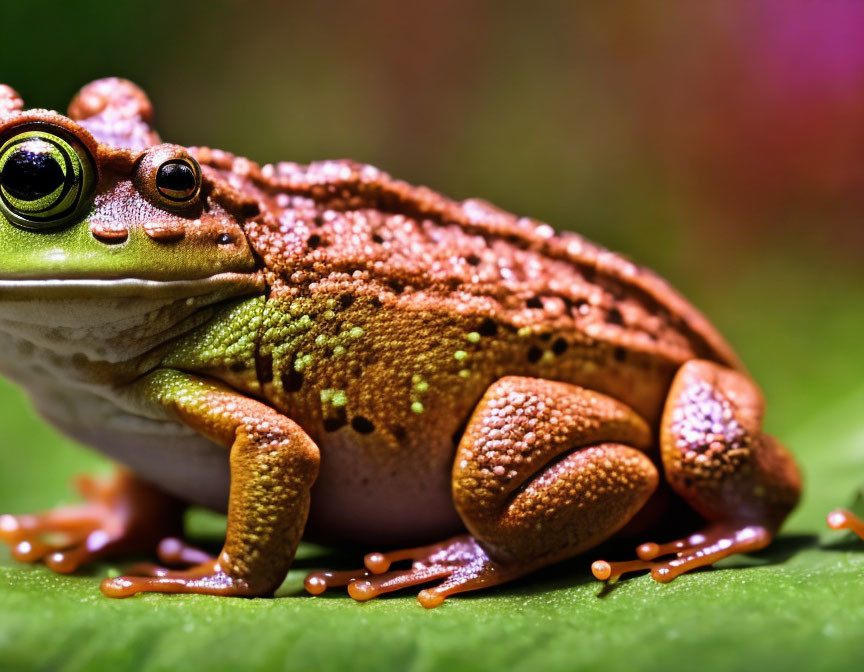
x=356, y=498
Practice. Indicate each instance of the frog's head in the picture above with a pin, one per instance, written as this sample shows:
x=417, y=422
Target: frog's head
x=95, y=197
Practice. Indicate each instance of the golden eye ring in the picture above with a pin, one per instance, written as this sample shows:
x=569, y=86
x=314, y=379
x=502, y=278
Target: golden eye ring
x=179, y=180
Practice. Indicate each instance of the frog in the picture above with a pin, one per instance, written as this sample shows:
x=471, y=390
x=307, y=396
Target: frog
x=326, y=353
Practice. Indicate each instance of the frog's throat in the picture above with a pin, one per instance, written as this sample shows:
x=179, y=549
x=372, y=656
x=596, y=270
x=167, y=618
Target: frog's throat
x=103, y=320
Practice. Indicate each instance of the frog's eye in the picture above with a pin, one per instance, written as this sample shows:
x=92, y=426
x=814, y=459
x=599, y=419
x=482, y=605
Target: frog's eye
x=179, y=180
x=46, y=179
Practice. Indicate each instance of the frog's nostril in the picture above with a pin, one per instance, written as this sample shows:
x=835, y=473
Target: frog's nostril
x=110, y=233
x=167, y=231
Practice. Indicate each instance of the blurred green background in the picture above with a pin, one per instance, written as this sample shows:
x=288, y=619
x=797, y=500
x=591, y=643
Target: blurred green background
x=721, y=143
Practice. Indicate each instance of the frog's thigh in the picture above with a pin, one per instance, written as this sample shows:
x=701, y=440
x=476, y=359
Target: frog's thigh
x=743, y=482
x=273, y=466
x=546, y=470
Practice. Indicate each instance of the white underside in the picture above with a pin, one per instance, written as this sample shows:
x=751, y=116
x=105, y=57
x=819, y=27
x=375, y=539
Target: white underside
x=49, y=344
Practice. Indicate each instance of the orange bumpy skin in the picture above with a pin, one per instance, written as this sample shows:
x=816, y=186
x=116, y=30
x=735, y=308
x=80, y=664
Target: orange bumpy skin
x=235, y=333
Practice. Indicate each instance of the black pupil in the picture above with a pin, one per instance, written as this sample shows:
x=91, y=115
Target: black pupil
x=29, y=176
x=176, y=177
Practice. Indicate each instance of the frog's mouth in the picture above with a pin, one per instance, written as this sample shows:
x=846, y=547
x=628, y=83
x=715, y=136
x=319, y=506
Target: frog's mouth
x=51, y=289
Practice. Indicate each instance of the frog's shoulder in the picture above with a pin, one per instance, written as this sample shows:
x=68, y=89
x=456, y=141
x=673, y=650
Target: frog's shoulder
x=346, y=224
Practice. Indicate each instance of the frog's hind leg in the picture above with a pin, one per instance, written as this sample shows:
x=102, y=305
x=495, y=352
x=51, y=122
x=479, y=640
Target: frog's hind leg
x=841, y=519
x=544, y=471
x=716, y=457
x=122, y=515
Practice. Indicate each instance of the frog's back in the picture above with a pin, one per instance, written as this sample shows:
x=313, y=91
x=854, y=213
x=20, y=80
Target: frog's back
x=341, y=228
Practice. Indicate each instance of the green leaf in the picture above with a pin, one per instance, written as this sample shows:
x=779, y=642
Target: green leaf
x=798, y=605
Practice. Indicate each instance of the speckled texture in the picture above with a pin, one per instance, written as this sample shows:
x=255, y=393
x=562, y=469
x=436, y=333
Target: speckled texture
x=368, y=320
x=715, y=452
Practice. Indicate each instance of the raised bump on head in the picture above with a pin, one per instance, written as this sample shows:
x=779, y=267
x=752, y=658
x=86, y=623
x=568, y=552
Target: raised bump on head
x=10, y=101
x=116, y=112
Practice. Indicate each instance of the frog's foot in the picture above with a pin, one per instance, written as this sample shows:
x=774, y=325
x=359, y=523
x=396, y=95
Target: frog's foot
x=206, y=578
x=698, y=550
x=841, y=519
x=461, y=562
x=122, y=515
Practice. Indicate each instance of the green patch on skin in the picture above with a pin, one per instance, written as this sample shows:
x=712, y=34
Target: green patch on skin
x=420, y=386
x=524, y=332
x=464, y=373
x=336, y=398
x=460, y=355
x=417, y=407
x=302, y=361
x=356, y=332
x=473, y=337
x=227, y=339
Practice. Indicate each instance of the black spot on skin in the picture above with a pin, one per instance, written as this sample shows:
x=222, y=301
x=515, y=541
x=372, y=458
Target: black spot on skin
x=362, y=425
x=314, y=241
x=264, y=368
x=546, y=336
x=376, y=302
x=237, y=367
x=334, y=423
x=534, y=354
x=250, y=210
x=488, y=327
x=534, y=302
x=559, y=347
x=337, y=420
x=397, y=286
x=620, y=354
x=292, y=381
x=376, y=238
x=614, y=316
x=473, y=260
x=346, y=300
x=399, y=433
x=319, y=220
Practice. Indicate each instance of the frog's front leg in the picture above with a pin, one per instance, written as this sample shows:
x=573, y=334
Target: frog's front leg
x=743, y=482
x=273, y=465
x=122, y=515
x=544, y=471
